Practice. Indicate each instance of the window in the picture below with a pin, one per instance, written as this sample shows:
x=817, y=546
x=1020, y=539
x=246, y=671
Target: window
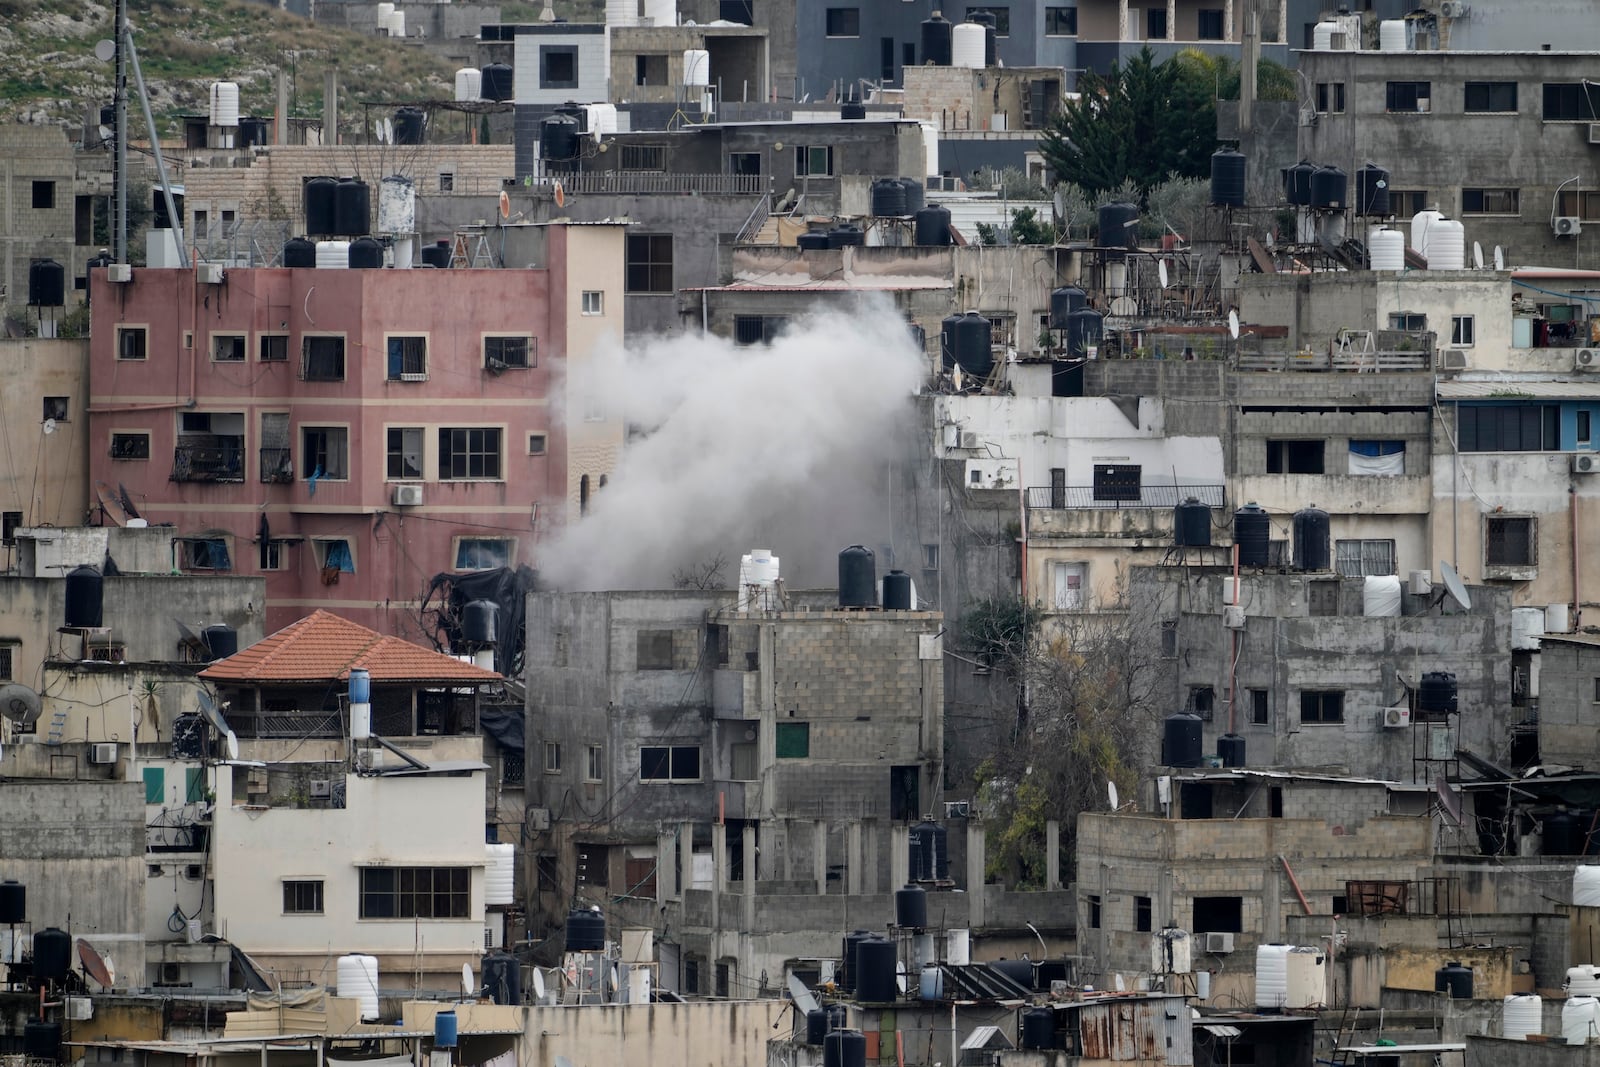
x=403, y=455
x=1060, y=22
x=537, y=444
x=594, y=766
x=558, y=66
x=1321, y=706
x=740, y=11
x=813, y=161
x=669, y=763
x=653, y=650
x=645, y=157
x=552, y=757
x=743, y=759
x=1169, y=638
x=131, y=342
x=649, y=265
x=155, y=785
x=1491, y=96
x=273, y=348
x=513, y=767
x=274, y=555
x=408, y=359
x=1407, y=96
x=1508, y=428
x=202, y=225
x=1569, y=102
x=322, y=358
x=55, y=408
x=447, y=181
x=227, y=347
x=1462, y=333
x=230, y=220
x=1211, y=26
x=1322, y=598
x=204, y=554
x=469, y=453
x=1203, y=701
x=549, y=872
x=10, y=521
x=793, y=740
x=1364, y=558
x=844, y=22
x=1407, y=202
x=758, y=329
x=483, y=553
x=1330, y=97
x=930, y=557
x=1260, y=708
x=510, y=353
x=130, y=446
x=325, y=452
x=1583, y=205
x=1295, y=457
x=1094, y=911
x=647, y=70
x=1490, y=201
x=745, y=162
x=1118, y=481
x=1597, y=691
x=1219, y=915
x=44, y=195
x=416, y=893
x=1408, y=320
x=594, y=302
x=1069, y=582
x=1583, y=427
x=1155, y=24
x=1382, y=459
x=302, y=897
x=1001, y=15
x=1509, y=541
x=1141, y=914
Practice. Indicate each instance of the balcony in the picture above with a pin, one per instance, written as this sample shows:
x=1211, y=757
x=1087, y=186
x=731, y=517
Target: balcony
x=277, y=466
x=221, y=460
x=1086, y=497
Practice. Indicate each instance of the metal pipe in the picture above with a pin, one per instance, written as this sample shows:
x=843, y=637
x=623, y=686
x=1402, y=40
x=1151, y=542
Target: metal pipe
x=1295, y=882
x=119, y=206
x=155, y=147
x=1577, y=595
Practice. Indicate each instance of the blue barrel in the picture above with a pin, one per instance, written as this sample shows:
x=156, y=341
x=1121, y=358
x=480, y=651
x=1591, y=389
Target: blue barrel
x=916, y=194
x=1297, y=183
x=816, y=1025
x=366, y=253
x=1437, y=693
x=1311, y=539
x=1328, y=188
x=360, y=686
x=858, y=578
x=1230, y=749
x=1191, y=524
x=502, y=978
x=811, y=240
x=444, y=1030
x=410, y=126
x=47, y=284
x=844, y=1048
x=1085, y=328
x=888, y=198
x=1372, y=191
x=847, y=966
x=1063, y=302
x=911, y=908
x=1038, y=1029
x=875, y=971
x=586, y=931
x=221, y=640
x=436, y=255
x=1454, y=979
x=352, y=202
x=13, y=903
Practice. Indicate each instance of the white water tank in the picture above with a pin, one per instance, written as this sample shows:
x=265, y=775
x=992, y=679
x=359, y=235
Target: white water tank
x=1380, y=596
x=469, y=84
x=356, y=977
x=696, y=67
x=661, y=12
x=758, y=577
x=602, y=119
x=1521, y=1015
x=967, y=45
x=224, y=104
x=930, y=147
x=958, y=947
x=385, y=9
x=622, y=12
x=1305, y=978
x=1392, y=35
x=1387, y=250
x=1586, y=886
x=1420, y=222
x=1527, y=626
x=360, y=710
x=1557, y=619
x=1583, y=980
x=397, y=24
x=397, y=205
x=1447, y=245
x=1322, y=36
x=1579, y=1018
x=1272, y=976
x=333, y=255
x=499, y=877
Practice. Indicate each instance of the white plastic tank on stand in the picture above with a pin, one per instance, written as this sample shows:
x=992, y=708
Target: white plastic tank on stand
x=958, y=947
x=661, y=12
x=1447, y=245
x=1392, y=35
x=1380, y=596
x=1305, y=978
x=397, y=24
x=1583, y=980
x=1272, y=977
x=397, y=205
x=1579, y=1018
x=930, y=147
x=1387, y=250
x=333, y=255
x=602, y=119
x=1420, y=223
x=758, y=577
x=1586, y=887
x=696, y=67
x=469, y=85
x=1558, y=619
x=968, y=44
x=1322, y=36
x=356, y=977
x=499, y=877
x=1527, y=626
x=1521, y=1015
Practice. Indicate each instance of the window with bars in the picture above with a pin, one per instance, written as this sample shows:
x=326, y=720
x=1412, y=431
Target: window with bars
x=325, y=452
x=416, y=893
x=408, y=359
x=646, y=157
x=1364, y=558
x=1509, y=541
x=510, y=353
x=130, y=446
x=302, y=897
x=1491, y=201
x=1322, y=706
x=648, y=267
x=322, y=358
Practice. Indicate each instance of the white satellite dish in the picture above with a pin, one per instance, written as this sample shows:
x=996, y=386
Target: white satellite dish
x=538, y=985
x=1449, y=799
x=1499, y=259
x=233, y=744
x=1454, y=587
x=1161, y=270
x=388, y=131
x=1060, y=201
x=468, y=986
x=377, y=130
x=105, y=51
x=49, y=426
x=1111, y=794
x=900, y=977
x=1233, y=324
x=1477, y=256
x=19, y=704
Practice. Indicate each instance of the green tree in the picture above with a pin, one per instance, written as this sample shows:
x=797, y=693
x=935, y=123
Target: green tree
x=1217, y=76
x=1143, y=123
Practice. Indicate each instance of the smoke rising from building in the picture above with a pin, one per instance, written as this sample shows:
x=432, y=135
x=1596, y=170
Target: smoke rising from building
x=783, y=446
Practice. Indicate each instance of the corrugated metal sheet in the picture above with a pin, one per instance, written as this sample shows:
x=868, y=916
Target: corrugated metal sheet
x=966, y=213
x=1156, y=1030
x=1513, y=390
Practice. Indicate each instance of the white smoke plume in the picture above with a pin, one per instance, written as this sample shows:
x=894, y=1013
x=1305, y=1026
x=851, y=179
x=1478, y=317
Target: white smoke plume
x=782, y=446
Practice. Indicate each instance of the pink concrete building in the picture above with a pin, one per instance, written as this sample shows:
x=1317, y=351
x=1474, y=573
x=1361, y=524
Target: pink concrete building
x=351, y=433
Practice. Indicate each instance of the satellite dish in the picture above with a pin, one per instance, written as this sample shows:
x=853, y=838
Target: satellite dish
x=233, y=744
x=538, y=985
x=19, y=704
x=388, y=131
x=955, y=377
x=106, y=133
x=377, y=130
x=561, y=195
x=505, y=205
x=1477, y=256
x=1449, y=799
x=1453, y=586
x=105, y=51
x=1233, y=324
x=1111, y=794
x=803, y=998
x=468, y=987
x=93, y=965
x=900, y=976
x=1499, y=259
x=1061, y=201
x=1161, y=271
x=49, y=426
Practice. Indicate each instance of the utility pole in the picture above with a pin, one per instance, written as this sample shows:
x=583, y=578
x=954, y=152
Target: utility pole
x=119, y=237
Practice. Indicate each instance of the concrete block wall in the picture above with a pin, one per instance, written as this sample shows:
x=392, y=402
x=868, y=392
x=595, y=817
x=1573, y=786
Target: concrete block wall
x=30, y=154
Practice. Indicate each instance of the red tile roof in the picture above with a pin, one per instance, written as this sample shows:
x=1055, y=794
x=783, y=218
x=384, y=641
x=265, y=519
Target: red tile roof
x=323, y=647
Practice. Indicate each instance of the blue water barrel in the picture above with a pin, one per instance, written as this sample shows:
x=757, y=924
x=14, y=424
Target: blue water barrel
x=299, y=252
x=816, y=1025
x=321, y=200
x=1454, y=979
x=1297, y=183
x=444, y=1030
x=366, y=253
x=1230, y=750
x=812, y=240
x=586, y=931
x=13, y=903
x=352, y=207
x=847, y=965
x=360, y=686
x=47, y=284
x=875, y=971
x=502, y=977
x=52, y=953
x=221, y=640
x=1063, y=302
x=1191, y=524
x=1311, y=539
x=1038, y=1028
x=41, y=1040
x=1085, y=328
x=1437, y=693
x=1372, y=191
x=844, y=1048
x=916, y=194
x=1328, y=188
x=888, y=198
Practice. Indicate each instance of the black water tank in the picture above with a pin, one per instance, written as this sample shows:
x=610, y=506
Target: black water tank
x=1437, y=693
x=838, y=1017
x=1063, y=302
x=1019, y=971
x=1311, y=539
x=1230, y=749
x=1372, y=191
x=1297, y=183
x=1191, y=524
x=52, y=953
x=852, y=110
x=844, y=1048
x=84, y=597
x=410, y=126
x=897, y=591
x=1454, y=979
x=13, y=903
x=163, y=220
x=436, y=255
x=930, y=852
x=366, y=253
x=812, y=240
x=1085, y=328
x=1180, y=742
x=1038, y=1028
x=222, y=640
x=875, y=971
x=495, y=81
x=847, y=965
x=322, y=213
x=558, y=139
x=41, y=1040
x=1227, y=178
x=846, y=235
x=188, y=736
x=936, y=41
x=1252, y=532
x=480, y=622
x=47, y=284
x=986, y=20
x=502, y=978
x=931, y=226
x=352, y=208
x=816, y=1025
x=858, y=578
x=1328, y=188
x=916, y=194
x=967, y=340
x=299, y=252
x=586, y=931
x=1119, y=226
x=911, y=907
x=888, y=198
x=1562, y=836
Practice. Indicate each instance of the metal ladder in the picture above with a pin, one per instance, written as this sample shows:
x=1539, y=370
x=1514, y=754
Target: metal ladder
x=58, y=727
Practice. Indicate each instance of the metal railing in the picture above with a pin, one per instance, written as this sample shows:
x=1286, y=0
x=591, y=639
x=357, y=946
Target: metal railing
x=289, y=724
x=221, y=462
x=1086, y=497
x=277, y=466
x=756, y=219
x=631, y=181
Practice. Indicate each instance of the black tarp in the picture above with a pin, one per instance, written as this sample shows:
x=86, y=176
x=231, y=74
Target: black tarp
x=449, y=593
x=504, y=724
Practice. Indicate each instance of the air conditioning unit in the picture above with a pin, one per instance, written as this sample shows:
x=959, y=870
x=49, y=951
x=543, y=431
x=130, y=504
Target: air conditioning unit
x=103, y=752
x=1567, y=226
x=171, y=973
x=1586, y=359
x=79, y=1009
x=1233, y=616
x=321, y=787
x=969, y=440
x=1585, y=463
x=407, y=496
x=491, y=937
x=209, y=273
x=1453, y=359
x=1219, y=944
x=119, y=272
x=537, y=819
x=1455, y=9
x=414, y=376
x=958, y=809
x=1394, y=718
